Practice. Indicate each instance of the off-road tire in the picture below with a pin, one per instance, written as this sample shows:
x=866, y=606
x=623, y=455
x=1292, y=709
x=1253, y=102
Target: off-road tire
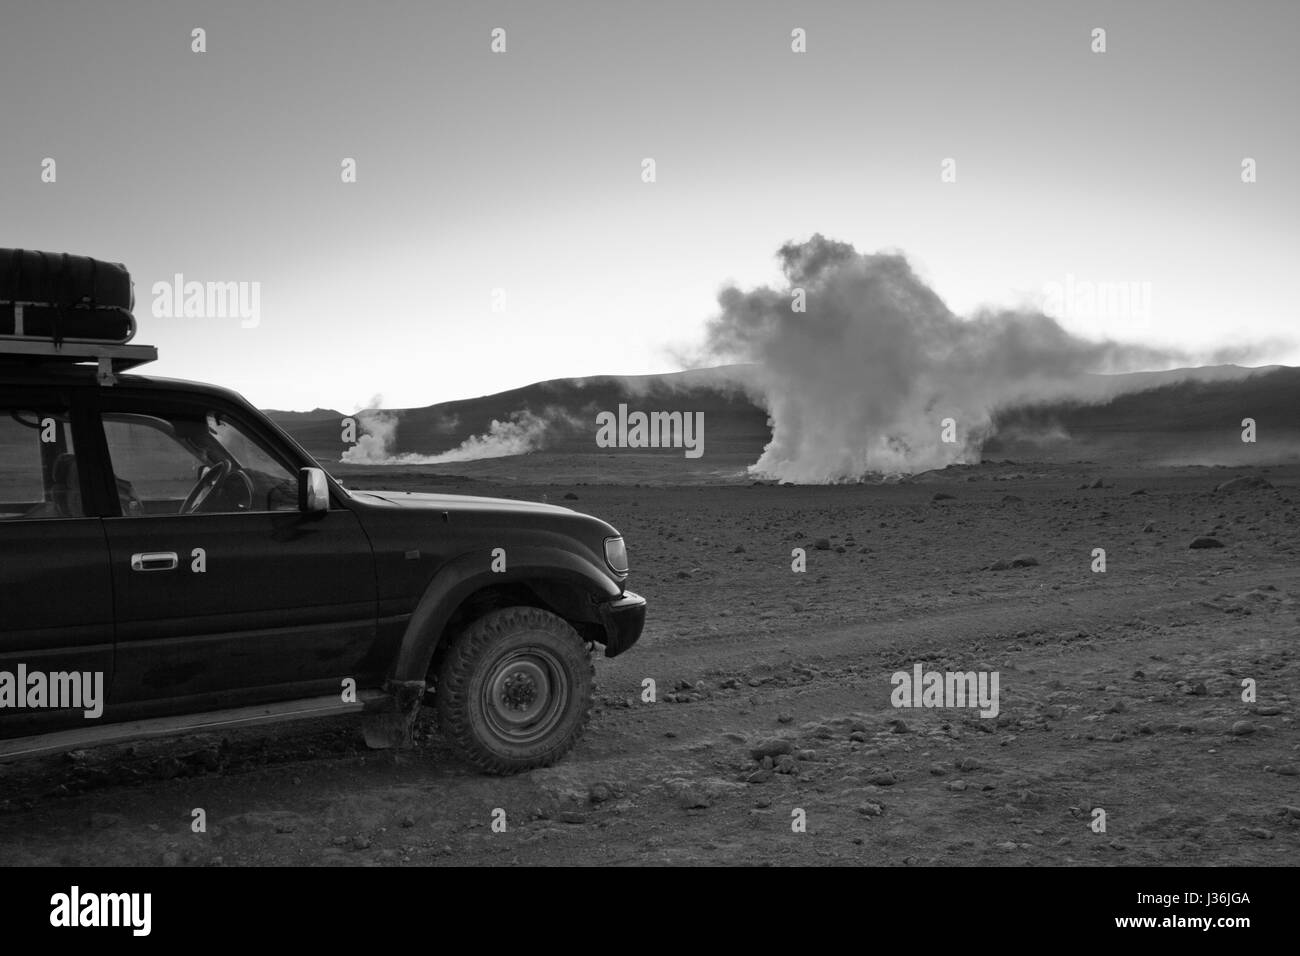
x=519, y=651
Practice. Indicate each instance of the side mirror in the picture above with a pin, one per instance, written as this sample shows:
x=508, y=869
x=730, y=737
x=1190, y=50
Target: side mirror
x=313, y=490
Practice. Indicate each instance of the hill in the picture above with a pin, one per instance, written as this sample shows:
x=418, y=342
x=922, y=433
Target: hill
x=1181, y=416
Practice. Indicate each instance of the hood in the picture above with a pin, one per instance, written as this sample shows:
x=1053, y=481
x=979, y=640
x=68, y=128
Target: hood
x=435, y=502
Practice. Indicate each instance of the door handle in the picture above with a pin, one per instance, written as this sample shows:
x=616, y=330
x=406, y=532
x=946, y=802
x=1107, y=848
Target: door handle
x=155, y=561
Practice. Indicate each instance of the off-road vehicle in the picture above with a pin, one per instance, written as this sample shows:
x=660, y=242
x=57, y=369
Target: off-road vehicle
x=167, y=540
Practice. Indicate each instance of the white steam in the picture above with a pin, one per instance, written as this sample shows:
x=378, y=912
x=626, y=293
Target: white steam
x=521, y=433
x=860, y=383
x=378, y=432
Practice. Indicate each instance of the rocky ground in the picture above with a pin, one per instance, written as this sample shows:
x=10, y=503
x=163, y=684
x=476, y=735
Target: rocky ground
x=1120, y=690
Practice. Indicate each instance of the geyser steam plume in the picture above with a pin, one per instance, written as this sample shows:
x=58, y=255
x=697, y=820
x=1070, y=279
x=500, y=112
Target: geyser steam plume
x=522, y=433
x=860, y=382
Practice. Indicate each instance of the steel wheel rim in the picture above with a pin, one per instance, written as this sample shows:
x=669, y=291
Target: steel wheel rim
x=525, y=695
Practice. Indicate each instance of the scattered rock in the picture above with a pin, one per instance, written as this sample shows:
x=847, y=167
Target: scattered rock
x=1242, y=728
x=570, y=496
x=822, y=544
x=1019, y=561
x=1205, y=541
x=943, y=496
x=692, y=797
x=772, y=747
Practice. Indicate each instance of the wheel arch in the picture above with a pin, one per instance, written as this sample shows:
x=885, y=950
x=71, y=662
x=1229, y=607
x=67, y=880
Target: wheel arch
x=464, y=589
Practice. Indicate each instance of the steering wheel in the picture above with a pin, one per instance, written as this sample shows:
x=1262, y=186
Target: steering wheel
x=203, y=488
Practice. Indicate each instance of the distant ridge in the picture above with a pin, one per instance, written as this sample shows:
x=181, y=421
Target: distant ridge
x=1176, y=413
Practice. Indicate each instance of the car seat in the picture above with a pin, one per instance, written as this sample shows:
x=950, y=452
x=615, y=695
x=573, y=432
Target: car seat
x=65, y=485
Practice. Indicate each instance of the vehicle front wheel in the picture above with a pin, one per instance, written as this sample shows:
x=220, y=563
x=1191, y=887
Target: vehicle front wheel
x=515, y=690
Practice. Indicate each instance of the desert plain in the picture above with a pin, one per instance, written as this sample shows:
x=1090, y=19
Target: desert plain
x=1123, y=690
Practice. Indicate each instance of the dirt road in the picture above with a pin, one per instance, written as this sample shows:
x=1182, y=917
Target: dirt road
x=1120, y=690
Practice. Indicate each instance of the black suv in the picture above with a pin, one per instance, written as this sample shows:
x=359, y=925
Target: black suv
x=166, y=540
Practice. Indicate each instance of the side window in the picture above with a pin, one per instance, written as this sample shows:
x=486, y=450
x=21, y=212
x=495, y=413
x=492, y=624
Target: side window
x=39, y=477
x=155, y=471
x=193, y=462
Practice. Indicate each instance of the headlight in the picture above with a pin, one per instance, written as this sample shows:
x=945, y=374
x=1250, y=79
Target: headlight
x=616, y=555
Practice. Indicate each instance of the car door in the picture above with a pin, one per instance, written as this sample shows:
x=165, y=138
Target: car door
x=56, y=597
x=234, y=596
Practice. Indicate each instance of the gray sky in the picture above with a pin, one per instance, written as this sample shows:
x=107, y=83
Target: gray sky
x=522, y=171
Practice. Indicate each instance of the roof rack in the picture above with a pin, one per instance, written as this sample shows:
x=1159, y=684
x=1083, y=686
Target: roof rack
x=111, y=357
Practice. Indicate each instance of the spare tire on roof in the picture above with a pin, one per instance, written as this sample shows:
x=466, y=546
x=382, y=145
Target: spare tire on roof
x=57, y=296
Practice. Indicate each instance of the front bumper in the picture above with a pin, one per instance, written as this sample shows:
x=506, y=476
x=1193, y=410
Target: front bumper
x=623, y=618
